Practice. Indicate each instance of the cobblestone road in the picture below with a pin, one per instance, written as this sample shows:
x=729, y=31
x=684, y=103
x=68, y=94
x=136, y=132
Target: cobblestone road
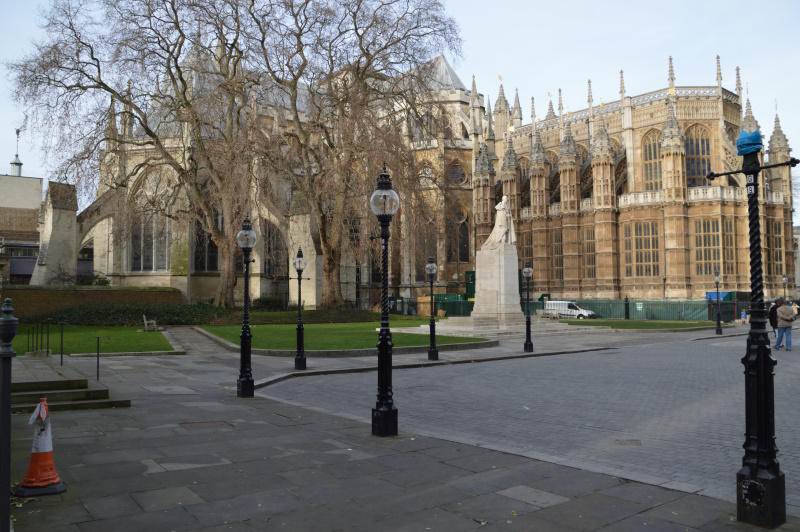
x=668, y=413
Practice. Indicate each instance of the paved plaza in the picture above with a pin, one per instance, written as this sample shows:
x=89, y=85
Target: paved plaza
x=644, y=434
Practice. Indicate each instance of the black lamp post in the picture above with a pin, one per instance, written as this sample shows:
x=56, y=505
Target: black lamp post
x=527, y=273
x=384, y=203
x=8, y=329
x=785, y=281
x=716, y=281
x=430, y=269
x=299, y=266
x=245, y=387
x=760, y=483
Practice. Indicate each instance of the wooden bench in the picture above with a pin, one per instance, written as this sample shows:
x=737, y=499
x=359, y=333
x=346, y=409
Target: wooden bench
x=148, y=324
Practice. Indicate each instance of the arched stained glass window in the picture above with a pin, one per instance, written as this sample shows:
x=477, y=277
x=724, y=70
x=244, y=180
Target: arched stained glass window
x=698, y=156
x=651, y=149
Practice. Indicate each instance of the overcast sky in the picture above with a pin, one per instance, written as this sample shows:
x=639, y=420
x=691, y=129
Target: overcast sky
x=543, y=46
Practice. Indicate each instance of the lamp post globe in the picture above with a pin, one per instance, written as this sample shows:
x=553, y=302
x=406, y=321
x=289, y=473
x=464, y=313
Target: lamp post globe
x=384, y=203
x=430, y=269
x=245, y=387
x=785, y=282
x=719, y=318
x=527, y=273
x=299, y=264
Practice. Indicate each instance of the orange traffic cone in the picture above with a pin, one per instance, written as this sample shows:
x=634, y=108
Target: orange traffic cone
x=41, y=478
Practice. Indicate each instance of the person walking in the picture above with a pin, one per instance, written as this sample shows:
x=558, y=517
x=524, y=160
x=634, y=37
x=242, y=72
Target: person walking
x=785, y=319
x=773, y=318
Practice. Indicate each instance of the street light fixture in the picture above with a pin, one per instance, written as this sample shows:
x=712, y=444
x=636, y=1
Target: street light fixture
x=527, y=272
x=716, y=281
x=245, y=386
x=299, y=266
x=760, y=483
x=384, y=203
x=785, y=281
x=430, y=269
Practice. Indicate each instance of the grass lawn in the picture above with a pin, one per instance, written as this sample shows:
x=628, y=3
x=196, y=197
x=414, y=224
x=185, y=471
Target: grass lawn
x=264, y=317
x=121, y=339
x=330, y=336
x=641, y=324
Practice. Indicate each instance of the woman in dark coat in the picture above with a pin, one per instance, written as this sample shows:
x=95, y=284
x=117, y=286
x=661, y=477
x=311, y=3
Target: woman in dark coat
x=773, y=318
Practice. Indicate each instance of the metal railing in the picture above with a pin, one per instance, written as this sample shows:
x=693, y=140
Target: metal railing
x=97, y=338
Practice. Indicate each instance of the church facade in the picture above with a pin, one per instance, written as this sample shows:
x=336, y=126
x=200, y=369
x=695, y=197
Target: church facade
x=609, y=201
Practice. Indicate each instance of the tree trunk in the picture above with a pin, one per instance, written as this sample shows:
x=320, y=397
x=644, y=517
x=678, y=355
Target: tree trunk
x=331, y=285
x=227, y=275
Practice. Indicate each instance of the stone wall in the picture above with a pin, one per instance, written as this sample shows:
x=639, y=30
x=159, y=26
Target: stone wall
x=34, y=300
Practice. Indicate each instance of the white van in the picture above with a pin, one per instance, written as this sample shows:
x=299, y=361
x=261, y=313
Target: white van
x=567, y=309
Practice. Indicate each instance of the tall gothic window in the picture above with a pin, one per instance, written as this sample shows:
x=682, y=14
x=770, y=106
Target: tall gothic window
x=772, y=248
x=628, y=251
x=651, y=149
x=729, y=247
x=206, y=253
x=698, y=156
x=458, y=239
x=587, y=254
x=425, y=246
x=558, y=254
x=276, y=255
x=707, y=245
x=646, y=247
x=149, y=249
x=527, y=248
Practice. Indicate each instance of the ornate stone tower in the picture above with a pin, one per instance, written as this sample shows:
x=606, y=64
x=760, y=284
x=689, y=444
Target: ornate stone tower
x=509, y=175
x=570, y=215
x=605, y=217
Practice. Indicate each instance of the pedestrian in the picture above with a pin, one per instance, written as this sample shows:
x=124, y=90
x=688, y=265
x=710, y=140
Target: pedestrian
x=773, y=318
x=785, y=319
x=744, y=317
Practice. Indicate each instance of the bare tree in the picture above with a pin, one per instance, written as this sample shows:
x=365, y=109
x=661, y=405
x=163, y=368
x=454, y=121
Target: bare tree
x=215, y=103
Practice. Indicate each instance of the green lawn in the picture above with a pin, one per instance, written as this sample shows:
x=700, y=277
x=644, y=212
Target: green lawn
x=641, y=324
x=121, y=339
x=329, y=336
x=263, y=317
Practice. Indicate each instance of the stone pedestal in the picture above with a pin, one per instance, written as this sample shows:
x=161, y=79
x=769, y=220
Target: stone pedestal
x=497, y=300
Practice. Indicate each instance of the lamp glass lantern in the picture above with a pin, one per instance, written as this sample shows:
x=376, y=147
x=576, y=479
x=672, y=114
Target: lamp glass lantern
x=384, y=202
x=246, y=237
x=430, y=267
x=299, y=262
x=527, y=272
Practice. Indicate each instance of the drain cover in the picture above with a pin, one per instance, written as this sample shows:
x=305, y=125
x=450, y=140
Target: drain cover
x=636, y=443
x=206, y=425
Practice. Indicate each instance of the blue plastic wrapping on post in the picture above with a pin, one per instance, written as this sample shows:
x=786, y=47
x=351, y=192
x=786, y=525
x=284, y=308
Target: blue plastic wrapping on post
x=748, y=142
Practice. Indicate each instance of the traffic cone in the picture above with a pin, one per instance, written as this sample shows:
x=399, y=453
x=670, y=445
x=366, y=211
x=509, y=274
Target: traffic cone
x=41, y=478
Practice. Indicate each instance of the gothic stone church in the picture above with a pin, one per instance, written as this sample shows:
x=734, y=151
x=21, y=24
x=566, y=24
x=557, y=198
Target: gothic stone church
x=612, y=200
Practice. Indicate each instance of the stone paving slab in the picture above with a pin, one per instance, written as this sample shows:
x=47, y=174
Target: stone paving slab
x=265, y=464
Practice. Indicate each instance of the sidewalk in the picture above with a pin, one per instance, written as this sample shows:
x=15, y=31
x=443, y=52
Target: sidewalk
x=190, y=455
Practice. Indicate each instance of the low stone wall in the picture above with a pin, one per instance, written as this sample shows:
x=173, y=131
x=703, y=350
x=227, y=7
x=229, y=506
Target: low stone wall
x=34, y=300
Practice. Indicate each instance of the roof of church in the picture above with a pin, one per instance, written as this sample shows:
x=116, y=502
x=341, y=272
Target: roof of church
x=443, y=75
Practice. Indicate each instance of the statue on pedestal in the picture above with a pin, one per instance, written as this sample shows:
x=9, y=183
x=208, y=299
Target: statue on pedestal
x=503, y=232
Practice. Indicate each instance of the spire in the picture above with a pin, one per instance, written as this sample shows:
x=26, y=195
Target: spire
x=568, y=146
x=473, y=101
x=16, y=164
x=671, y=77
x=111, y=125
x=719, y=72
x=517, y=115
x=601, y=145
x=749, y=124
x=127, y=115
x=738, y=82
x=483, y=166
x=621, y=84
x=560, y=104
x=590, y=93
x=550, y=113
x=533, y=114
x=778, y=142
x=501, y=104
x=538, y=154
x=510, y=161
x=490, y=132
x=672, y=129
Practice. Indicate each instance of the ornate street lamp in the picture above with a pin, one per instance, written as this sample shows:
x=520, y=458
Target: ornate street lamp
x=760, y=483
x=785, y=281
x=716, y=281
x=384, y=203
x=8, y=329
x=527, y=273
x=245, y=386
x=430, y=269
x=299, y=266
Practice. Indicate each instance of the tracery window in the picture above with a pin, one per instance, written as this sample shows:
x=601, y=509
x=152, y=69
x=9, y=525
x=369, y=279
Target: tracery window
x=458, y=239
x=773, y=248
x=707, y=245
x=457, y=175
x=651, y=149
x=527, y=248
x=729, y=247
x=425, y=246
x=628, y=251
x=698, y=156
x=276, y=255
x=587, y=254
x=206, y=253
x=646, y=249
x=558, y=254
x=149, y=243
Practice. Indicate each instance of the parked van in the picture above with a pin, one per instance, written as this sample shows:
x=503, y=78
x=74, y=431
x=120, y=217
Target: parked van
x=567, y=309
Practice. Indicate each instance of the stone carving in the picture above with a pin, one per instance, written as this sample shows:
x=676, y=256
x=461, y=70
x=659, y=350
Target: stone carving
x=503, y=232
